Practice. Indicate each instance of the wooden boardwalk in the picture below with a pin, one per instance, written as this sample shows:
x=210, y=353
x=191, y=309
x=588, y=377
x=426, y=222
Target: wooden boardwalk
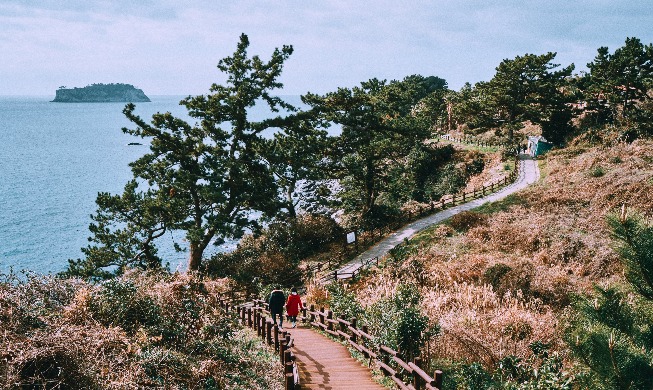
x=325, y=364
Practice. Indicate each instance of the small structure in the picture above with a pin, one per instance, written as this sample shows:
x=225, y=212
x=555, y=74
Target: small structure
x=538, y=145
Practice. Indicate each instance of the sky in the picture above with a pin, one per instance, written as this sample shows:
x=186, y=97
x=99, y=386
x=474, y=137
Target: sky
x=172, y=47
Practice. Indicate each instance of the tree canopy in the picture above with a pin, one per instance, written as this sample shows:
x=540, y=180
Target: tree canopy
x=203, y=179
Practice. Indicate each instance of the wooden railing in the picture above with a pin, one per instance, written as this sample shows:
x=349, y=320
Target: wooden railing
x=422, y=211
x=255, y=315
x=469, y=140
x=335, y=274
x=405, y=375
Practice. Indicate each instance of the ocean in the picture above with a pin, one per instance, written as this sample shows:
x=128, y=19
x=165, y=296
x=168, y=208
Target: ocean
x=54, y=159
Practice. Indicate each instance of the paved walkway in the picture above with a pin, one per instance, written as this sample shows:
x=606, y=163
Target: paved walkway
x=528, y=174
x=325, y=364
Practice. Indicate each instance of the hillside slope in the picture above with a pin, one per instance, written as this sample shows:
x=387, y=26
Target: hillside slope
x=500, y=278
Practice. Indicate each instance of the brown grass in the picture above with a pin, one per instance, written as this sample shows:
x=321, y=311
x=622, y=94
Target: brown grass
x=548, y=243
x=54, y=334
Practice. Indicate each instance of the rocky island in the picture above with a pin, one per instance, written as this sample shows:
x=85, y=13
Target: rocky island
x=101, y=93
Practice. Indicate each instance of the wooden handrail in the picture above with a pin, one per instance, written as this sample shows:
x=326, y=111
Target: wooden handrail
x=382, y=355
x=254, y=314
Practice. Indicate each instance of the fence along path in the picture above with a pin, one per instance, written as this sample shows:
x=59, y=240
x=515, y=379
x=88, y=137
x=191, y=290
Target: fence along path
x=309, y=359
x=528, y=173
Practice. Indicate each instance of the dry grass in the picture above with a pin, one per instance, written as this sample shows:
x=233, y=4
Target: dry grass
x=139, y=331
x=498, y=284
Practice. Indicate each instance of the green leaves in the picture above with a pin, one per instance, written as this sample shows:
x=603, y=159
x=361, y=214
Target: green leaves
x=612, y=331
x=204, y=179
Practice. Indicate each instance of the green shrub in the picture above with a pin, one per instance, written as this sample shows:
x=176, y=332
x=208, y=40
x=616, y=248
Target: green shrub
x=119, y=303
x=466, y=220
x=398, y=322
x=597, y=171
x=611, y=332
x=494, y=274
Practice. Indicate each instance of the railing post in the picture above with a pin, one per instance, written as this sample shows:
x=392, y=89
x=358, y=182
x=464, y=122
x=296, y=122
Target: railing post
x=282, y=349
x=329, y=317
x=286, y=360
x=276, y=337
x=312, y=311
x=364, y=329
x=354, y=338
x=249, y=317
x=417, y=382
x=438, y=379
x=290, y=380
x=268, y=331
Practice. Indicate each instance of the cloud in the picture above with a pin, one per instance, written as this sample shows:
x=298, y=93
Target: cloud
x=171, y=47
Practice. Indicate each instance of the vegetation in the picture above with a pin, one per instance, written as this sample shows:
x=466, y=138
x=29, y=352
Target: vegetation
x=526, y=293
x=139, y=330
x=612, y=332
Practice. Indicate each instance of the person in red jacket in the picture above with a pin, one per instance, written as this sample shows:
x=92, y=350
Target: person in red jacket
x=293, y=306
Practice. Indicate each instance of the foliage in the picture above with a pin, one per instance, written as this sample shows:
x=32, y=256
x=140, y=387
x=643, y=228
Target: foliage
x=466, y=220
x=273, y=256
x=611, y=332
x=616, y=81
x=297, y=157
x=398, y=323
x=343, y=302
x=138, y=330
x=203, y=179
x=378, y=130
x=528, y=88
x=541, y=370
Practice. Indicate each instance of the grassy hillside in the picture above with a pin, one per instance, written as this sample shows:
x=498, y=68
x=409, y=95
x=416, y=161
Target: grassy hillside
x=502, y=277
x=136, y=331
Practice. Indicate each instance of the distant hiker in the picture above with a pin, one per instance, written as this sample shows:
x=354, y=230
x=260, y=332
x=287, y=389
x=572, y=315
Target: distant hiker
x=277, y=299
x=293, y=306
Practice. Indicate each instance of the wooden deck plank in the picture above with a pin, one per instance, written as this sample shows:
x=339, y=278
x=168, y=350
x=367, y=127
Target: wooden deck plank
x=325, y=364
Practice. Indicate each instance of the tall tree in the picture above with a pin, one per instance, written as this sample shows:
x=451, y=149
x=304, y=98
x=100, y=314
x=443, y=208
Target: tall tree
x=378, y=128
x=297, y=156
x=527, y=88
x=622, y=77
x=204, y=179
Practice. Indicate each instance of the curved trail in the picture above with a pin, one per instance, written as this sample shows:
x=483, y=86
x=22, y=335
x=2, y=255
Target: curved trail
x=529, y=173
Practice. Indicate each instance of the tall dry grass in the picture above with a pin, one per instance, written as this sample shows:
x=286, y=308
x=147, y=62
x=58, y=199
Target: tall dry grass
x=137, y=331
x=502, y=282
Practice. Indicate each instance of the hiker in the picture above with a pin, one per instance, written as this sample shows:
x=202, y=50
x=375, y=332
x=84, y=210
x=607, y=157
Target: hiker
x=277, y=299
x=293, y=306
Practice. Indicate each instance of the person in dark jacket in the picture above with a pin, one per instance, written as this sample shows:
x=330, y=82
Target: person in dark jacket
x=277, y=302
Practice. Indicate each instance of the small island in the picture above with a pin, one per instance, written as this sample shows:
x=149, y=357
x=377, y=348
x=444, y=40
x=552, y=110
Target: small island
x=101, y=93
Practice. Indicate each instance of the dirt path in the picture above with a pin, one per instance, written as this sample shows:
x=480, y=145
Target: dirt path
x=528, y=174
x=325, y=364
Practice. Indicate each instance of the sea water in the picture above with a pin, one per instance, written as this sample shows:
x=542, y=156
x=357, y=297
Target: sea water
x=54, y=159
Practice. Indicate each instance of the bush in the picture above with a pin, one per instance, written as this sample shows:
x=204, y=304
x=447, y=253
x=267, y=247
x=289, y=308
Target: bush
x=611, y=332
x=494, y=274
x=597, y=171
x=139, y=330
x=273, y=257
x=398, y=322
x=119, y=303
x=466, y=220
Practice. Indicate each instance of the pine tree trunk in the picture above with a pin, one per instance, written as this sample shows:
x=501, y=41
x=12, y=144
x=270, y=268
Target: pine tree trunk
x=195, y=259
